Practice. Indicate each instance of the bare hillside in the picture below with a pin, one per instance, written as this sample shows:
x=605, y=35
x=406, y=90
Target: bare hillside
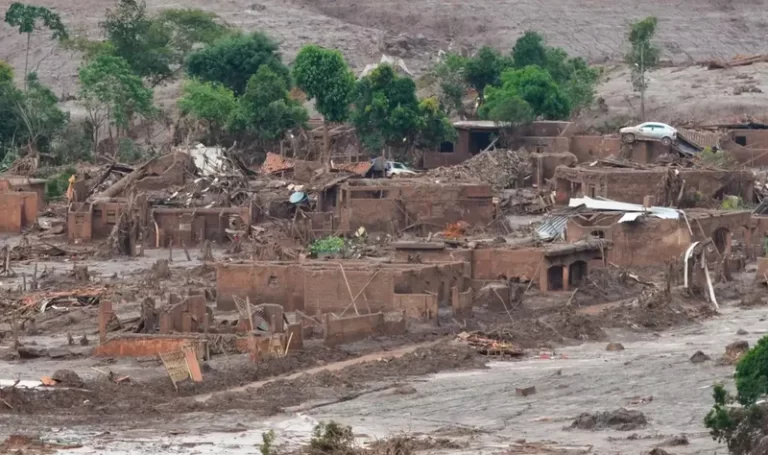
x=689, y=30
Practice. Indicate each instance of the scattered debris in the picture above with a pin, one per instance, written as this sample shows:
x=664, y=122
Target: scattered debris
x=524, y=392
x=614, y=347
x=489, y=346
x=679, y=440
x=699, y=357
x=499, y=168
x=734, y=351
x=620, y=419
x=742, y=332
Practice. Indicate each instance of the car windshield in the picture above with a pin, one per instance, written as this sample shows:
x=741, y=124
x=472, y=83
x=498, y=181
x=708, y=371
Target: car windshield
x=398, y=165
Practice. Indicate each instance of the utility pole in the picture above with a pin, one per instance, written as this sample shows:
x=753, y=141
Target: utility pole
x=642, y=83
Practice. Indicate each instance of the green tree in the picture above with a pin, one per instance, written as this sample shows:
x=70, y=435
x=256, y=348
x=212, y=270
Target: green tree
x=450, y=73
x=265, y=110
x=133, y=36
x=232, y=61
x=485, y=68
x=112, y=93
x=386, y=110
x=12, y=128
x=6, y=72
x=577, y=79
x=529, y=49
x=533, y=85
x=642, y=56
x=752, y=373
x=209, y=102
x=184, y=29
x=506, y=108
x=154, y=47
x=40, y=114
x=27, y=18
x=325, y=77
x=436, y=127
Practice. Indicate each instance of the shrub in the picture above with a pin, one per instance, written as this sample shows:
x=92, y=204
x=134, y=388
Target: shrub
x=327, y=245
x=332, y=438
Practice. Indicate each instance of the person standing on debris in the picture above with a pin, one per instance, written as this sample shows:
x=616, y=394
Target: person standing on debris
x=71, y=189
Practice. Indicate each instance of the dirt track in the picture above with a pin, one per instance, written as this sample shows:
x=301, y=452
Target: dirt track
x=480, y=407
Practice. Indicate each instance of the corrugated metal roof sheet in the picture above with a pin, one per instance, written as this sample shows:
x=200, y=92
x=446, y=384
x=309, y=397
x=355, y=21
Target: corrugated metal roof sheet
x=553, y=226
x=666, y=213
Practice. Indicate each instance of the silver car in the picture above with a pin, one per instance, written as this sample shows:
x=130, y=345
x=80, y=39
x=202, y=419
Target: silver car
x=649, y=131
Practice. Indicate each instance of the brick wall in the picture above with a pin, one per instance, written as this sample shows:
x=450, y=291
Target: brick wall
x=490, y=264
x=326, y=291
x=437, y=256
x=12, y=208
x=262, y=283
x=194, y=226
x=433, y=159
x=544, y=164
x=462, y=303
x=590, y=148
x=29, y=202
x=80, y=223
x=393, y=207
x=146, y=345
x=633, y=185
x=416, y=306
x=351, y=329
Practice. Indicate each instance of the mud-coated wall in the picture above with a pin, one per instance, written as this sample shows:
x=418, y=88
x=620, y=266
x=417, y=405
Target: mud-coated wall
x=633, y=185
x=261, y=283
x=494, y=264
x=396, y=207
x=319, y=288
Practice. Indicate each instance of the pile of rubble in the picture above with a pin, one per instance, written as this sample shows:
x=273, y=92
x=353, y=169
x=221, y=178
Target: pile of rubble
x=499, y=168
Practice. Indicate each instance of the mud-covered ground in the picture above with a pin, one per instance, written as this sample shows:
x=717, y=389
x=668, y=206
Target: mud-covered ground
x=476, y=406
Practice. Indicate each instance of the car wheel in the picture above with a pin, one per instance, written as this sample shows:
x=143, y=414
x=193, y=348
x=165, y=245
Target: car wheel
x=666, y=141
x=629, y=138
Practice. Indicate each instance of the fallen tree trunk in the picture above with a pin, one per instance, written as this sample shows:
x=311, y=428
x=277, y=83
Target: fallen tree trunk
x=122, y=184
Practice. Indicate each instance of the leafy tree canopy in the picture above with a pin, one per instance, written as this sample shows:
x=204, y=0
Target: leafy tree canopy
x=208, y=101
x=529, y=49
x=27, y=18
x=232, y=61
x=108, y=83
x=451, y=75
x=265, y=109
x=324, y=75
x=154, y=47
x=534, y=86
x=484, y=68
x=436, y=126
x=386, y=110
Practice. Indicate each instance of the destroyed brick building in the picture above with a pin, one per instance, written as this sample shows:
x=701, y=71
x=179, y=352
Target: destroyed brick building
x=634, y=184
x=319, y=287
x=641, y=236
x=554, y=267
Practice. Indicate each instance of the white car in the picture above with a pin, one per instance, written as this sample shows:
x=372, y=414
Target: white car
x=649, y=131
x=399, y=169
